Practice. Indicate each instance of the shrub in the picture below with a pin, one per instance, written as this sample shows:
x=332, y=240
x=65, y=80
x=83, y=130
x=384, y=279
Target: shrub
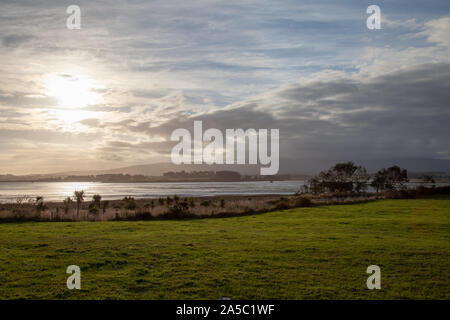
x=105, y=205
x=169, y=201
x=178, y=210
x=402, y=194
x=303, y=202
x=143, y=215
x=205, y=203
x=97, y=198
x=94, y=208
x=40, y=205
x=130, y=204
x=117, y=207
x=19, y=214
x=282, y=206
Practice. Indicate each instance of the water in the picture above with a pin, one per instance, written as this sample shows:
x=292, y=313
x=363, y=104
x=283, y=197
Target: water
x=57, y=191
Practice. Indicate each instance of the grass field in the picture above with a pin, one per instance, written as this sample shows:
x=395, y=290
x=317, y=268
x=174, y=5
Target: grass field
x=305, y=253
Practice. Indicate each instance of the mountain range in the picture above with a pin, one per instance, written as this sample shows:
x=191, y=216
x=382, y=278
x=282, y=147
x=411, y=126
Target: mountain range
x=287, y=166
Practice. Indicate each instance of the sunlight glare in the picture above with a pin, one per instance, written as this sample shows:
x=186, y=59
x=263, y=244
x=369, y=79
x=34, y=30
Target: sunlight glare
x=72, y=91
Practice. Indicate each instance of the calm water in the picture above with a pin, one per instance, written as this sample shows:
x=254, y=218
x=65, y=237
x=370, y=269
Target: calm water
x=57, y=191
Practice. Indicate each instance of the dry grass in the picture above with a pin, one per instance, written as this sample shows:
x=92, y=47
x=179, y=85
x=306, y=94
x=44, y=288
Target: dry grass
x=198, y=207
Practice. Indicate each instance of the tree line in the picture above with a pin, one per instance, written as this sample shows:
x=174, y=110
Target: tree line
x=347, y=177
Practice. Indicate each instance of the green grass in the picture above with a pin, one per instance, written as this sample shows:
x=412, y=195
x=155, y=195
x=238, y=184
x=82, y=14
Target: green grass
x=305, y=253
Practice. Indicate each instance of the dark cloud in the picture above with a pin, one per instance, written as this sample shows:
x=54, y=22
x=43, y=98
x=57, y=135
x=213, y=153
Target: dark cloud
x=402, y=114
x=319, y=90
x=15, y=40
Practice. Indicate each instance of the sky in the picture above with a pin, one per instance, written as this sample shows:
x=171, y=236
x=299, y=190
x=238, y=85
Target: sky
x=109, y=94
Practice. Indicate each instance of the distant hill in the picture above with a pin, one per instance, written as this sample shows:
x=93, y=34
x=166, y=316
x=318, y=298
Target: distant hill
x=305, y=167
x=287, y=166
x=157, y=169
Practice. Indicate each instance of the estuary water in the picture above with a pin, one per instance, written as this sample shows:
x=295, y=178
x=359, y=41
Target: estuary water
x=57, y=191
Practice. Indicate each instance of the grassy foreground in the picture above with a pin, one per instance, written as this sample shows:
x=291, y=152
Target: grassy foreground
x=304, y=253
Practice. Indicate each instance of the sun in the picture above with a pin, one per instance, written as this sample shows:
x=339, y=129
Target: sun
x=72, y=91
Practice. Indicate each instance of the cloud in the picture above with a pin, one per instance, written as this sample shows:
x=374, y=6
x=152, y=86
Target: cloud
x=438, y=30
x=401, y=114
x=15, y=40
x=333, y=88
x=90, y=122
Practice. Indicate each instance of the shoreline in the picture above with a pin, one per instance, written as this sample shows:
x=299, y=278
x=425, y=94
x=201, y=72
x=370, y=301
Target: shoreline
x=175, y=207
x=153, y=181
x=413, y=181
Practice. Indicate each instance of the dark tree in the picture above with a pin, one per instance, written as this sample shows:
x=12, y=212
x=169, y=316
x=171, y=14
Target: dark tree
x=342, y=177
x=97, y=198
x=40, y=205
x=130, y=203
x=67, y=202
x=79, y=197
x=391, y=179
x=360, y=179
